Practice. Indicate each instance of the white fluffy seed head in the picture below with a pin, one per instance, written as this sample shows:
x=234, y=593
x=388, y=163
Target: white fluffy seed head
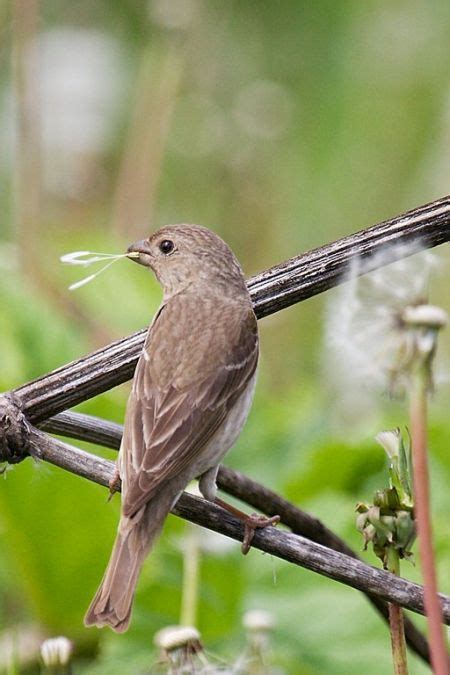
x=56, y=651
x=425, y=315
x=369, y=342
x=176, y=637
x=258, y=620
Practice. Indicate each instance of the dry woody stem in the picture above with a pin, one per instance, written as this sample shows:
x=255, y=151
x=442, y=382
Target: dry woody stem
x=285, y=545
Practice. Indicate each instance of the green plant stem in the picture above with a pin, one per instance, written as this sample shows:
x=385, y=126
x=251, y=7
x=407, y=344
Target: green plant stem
x=418, y=424
x=191, y=575
x=396, y=620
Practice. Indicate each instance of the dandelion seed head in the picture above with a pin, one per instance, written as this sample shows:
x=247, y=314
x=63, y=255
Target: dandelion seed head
x=175, y=637
x=368, y=342
x=56, y=651
x=258, y=620
x=181, y=651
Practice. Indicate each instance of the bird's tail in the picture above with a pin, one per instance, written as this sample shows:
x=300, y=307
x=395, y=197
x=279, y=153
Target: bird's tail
x=113, y=601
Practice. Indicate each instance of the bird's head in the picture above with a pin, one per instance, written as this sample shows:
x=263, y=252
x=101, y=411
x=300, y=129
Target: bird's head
x=183, y=256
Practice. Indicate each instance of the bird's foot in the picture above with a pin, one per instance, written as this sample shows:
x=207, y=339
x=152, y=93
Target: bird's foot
x=253, y=522
x=114, y=484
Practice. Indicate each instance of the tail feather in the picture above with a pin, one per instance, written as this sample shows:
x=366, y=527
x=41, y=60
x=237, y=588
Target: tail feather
x=113, y=601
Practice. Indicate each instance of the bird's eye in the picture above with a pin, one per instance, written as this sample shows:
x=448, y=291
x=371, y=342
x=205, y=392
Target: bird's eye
x=166, y=246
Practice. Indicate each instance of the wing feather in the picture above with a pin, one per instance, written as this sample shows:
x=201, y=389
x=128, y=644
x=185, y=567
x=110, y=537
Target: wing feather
x=183, y=392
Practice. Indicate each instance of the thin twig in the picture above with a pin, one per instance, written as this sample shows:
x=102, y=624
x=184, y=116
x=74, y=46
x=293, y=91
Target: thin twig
x=84, y=427
x=272, y=290
x=284, y=545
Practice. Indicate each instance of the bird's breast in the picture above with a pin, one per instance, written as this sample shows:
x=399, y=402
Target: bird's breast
x=228, y=433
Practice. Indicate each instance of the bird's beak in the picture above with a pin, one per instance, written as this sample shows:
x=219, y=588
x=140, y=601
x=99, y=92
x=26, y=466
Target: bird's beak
x=139, y=251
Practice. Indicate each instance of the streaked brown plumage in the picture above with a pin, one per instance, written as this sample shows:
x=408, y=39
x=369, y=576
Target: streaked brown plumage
x=191, y=394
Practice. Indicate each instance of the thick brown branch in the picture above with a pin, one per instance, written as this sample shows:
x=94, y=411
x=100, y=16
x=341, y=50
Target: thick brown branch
x=322, y=268
x=274, y=289
x=109, y=434
x=284, y=545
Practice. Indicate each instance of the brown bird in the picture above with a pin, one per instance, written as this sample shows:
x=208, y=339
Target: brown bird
x=191, y=394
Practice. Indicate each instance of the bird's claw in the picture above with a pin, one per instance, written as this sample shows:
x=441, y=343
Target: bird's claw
x=253, y=522
x=114, y=484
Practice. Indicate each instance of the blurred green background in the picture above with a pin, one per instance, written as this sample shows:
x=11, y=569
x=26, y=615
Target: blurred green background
x=282, y=126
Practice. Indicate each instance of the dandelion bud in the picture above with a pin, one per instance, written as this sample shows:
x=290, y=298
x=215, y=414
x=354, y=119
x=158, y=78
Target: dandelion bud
x=369, y=533
x=388, y=524
x=390, y=441
x=381, y=499
x=56, y=651
x=406, y=532
x=361, y=518
x=400, y=496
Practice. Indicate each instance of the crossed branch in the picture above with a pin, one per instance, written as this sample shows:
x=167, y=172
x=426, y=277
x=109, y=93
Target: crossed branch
x=309, y=544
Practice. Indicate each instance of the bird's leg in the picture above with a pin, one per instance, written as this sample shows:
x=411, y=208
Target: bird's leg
x=208, y=488
x=251, y=522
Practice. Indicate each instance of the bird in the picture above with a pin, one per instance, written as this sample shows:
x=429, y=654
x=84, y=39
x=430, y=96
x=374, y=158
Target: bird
x=191, y=394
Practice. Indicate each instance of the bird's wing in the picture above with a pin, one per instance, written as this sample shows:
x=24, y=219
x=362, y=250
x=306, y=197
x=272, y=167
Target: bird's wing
x=198, y=359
